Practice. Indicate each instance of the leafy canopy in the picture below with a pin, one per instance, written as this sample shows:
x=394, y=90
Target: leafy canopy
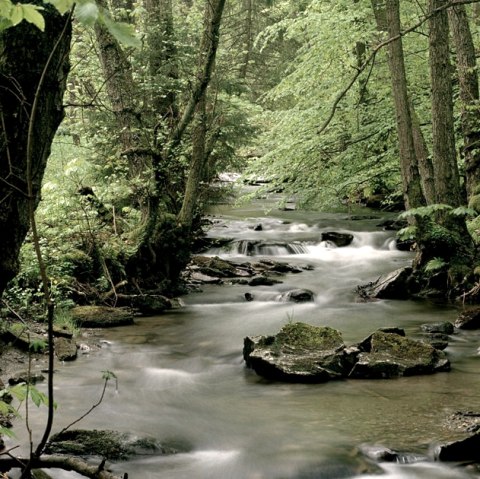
x=87, y=12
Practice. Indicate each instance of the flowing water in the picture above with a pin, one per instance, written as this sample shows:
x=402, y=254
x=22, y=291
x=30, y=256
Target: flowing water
x=181, y=376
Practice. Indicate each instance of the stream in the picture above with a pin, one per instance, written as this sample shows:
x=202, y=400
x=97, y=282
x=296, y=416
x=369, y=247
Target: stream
x=181, y=376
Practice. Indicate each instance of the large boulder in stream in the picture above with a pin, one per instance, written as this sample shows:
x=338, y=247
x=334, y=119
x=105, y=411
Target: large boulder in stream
x=298, y=353
x=338, y=239
x=311, y=354
x=298, y=295
x=386, y=355
x=101, y=316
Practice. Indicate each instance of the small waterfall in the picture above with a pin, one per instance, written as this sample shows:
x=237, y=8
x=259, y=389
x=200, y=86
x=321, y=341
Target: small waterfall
x=267, y=248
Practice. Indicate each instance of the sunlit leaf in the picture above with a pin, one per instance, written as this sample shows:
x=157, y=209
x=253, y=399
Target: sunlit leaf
x=32, y=15
x=19, y=391
x=16, y=15
x=123, y=32
x=63, y=6
x=38, y=397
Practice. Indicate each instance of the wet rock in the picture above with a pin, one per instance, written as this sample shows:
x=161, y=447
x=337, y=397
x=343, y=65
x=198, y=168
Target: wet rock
x=405, y=245
x=62, y=332
x=101, y=316
x=263, y=281
x=109, y=444
x=392, y=355
x=338, y=239
x=298, y=353
x=201, y=278
x=214, y=267
x=392, y=225
x=437, y=340
x=458, y=451
x=445, y=327
x=258, y=227
x=395, y=285
x=149, y=304
x=65, y=349
x=366, y=345
x=20, y=337
x=31, y=377
x=298, y=296
x=378, y=453
x=469, y=319
x=249, y=297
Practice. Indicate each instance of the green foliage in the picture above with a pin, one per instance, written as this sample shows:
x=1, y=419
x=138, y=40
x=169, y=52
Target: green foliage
x=435, y=265
x=407, y=233
x=426, y=211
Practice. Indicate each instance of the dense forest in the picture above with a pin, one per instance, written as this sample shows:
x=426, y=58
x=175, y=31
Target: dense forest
x=118, y=117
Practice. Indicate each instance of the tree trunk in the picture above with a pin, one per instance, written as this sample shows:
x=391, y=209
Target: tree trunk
x=411, y=184
x=162, y=59
x=248, y=43
x=33, y=71
x=447, y=178
x=211, y=36
x=469, y=96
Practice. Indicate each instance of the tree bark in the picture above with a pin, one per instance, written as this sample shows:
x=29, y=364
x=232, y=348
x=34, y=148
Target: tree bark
x=162, y=59
x=25, y=51
x=411, y=184
x=447, y=178
x=469, y=95
x=208, y=50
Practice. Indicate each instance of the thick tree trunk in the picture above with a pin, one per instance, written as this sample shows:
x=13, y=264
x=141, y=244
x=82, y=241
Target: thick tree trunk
x=447, y=178
x=33, y=71
x=469, y=95
x=411, y=184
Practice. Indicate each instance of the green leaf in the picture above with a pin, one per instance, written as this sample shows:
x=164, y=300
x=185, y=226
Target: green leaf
x=38, y=397
x=19, y=391
x=63, y=6
x=4, y=431
x=5, y=7
x=32, y=15
x=107, y=375
x=87, y=13
x=16, y=14
x=409, y=232
x=38, y=345
x=435, y=264
x=123, y=32
x=464, y=211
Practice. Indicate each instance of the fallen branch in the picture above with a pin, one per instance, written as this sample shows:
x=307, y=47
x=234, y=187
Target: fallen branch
x=66, y=463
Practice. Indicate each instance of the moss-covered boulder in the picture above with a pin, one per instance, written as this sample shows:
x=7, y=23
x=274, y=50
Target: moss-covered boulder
x=65, y=349
x=101, y=316
x=108, y=444
x=298, y=353
x=392, y=355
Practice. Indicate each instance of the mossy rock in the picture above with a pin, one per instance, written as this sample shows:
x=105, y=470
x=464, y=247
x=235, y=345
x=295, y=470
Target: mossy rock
x=109, y=444
x=392, y=355
x=101, y=316
x=298, y=353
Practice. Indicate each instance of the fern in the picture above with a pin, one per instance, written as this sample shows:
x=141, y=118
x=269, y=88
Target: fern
x=435, y=264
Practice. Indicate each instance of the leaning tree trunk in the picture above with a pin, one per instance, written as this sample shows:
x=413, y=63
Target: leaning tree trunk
x=208, y=50
x=33, y=72
x=469, y=96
